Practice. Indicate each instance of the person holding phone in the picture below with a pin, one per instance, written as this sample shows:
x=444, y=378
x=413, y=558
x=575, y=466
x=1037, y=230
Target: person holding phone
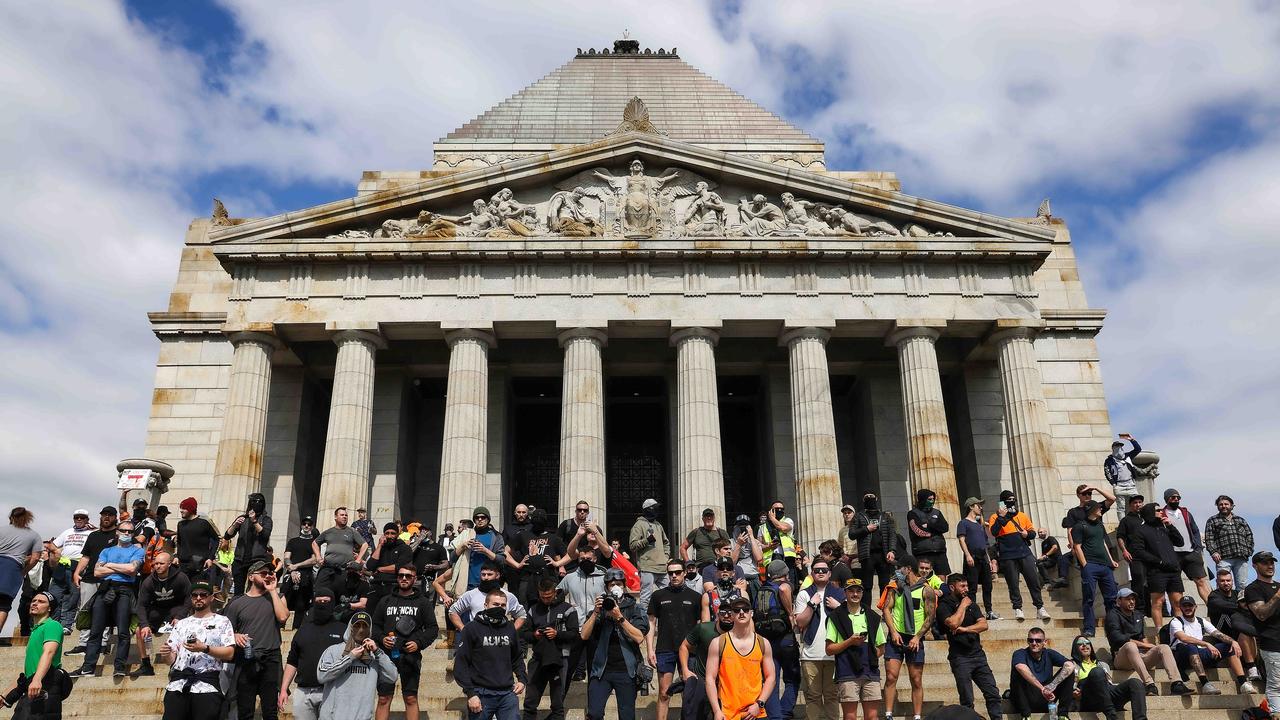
x=199, y=649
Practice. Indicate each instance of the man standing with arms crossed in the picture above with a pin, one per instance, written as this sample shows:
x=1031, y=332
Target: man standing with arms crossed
x=740, y=672
x=962, y=624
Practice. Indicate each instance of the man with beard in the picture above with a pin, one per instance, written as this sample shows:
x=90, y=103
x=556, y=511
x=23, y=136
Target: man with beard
x=257, y=616
x=199, y=649
x=252, y=531
x=1262, y=599
x=319, y=631
x=489, y=664
x=392, y=553
x=693, y=660
x=852, y=636
x=404, y=623
x=551, y=633
x=1153, y=546
x=877, y=536
x=651, y=550
x=521, y=521
x=430, y=558
x=960, y=622
x=1190, y=549
x=83, y=577
x=162, y=599
x=1126, y=634
x=196, y=542
x=351, y=591
x=928, y=529
x=537, y=553
x=615, y=629
x=299, y=563
x=1125, y=532
x=1226, y=613
x=1229, y=539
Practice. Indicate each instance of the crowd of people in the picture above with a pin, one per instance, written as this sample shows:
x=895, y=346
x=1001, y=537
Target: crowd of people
x=734, y=618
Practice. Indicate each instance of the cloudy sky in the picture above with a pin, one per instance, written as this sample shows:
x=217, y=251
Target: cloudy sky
x=1153, y=126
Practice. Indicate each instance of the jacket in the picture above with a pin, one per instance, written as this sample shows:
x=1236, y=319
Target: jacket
x=350, y=684
x=649, y=557
x=581, y=590
x=1231, y=537
x=488, y=656
x=1121, y=628
x=1196, y=544
x=309, y=645
x=600, y=636
x=250, y=544
x=1111, y=466
x=546, y=652
x=1153, y=544
x=416, y=610
x=928, y=528
x=884, y=538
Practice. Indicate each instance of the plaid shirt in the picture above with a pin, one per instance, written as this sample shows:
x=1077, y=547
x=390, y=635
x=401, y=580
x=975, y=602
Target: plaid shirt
x=1230, y=537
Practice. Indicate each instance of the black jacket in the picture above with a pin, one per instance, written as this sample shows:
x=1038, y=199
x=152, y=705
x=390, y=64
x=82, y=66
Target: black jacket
x=395, y=553
x=488, y=655
x=309, y=643
x=562, y=617
x=1153, y=544
x=884, y=539
x=421, y=610
x=927, y=528
x=1121, y=628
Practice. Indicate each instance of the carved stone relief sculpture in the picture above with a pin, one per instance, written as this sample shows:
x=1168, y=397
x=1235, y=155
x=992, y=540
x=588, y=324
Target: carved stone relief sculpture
x=567, y=213
x=638, y=194
x=705, y=216
x=760, y=218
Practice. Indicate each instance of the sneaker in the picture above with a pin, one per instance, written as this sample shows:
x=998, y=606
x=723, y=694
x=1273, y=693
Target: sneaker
x=1018, y=615
x=145, y=669
x=84, y=671
x=1043, y=614
x=1180, y=688
x=167, y=628
x=1209, y=688
x=1253, y=673
x=991, y=615
x=1153, y=689
x=77, y=650
x=66, y=632
x=1247, y=687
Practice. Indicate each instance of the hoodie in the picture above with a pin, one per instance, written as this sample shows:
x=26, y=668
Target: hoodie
x=488, y=655
x=250, y=544
x=405, y=611
x=927, y=526
x=309, y=645
x=1153, y=544
x=157, y=594
x=350, y=685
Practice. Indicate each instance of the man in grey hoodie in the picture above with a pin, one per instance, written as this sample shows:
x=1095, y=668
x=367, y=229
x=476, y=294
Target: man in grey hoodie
x=351, y=671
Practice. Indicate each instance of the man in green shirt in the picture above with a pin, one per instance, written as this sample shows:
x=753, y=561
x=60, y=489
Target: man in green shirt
x=1089, y=544
x=693, y=661
x=44, y=653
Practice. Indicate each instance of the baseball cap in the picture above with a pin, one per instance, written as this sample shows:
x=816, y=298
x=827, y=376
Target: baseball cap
x=1187, y=600
x=708, y=511
x=202, y=585
x=162, y=510
x=139, y=501
x=1117, y=443
x=737, y=600
x=971, y=501
x=362, y=617
x=853, y=583
x=258, y=566
x=1263, y=556
x=1006, y=495
x=742, y=519
x=108, y=510
x=724, y=563
x=1091, y=506
x=308, y=519
x=648, y=503
x=80, y=512
x=1125, y=592
x=847, y=507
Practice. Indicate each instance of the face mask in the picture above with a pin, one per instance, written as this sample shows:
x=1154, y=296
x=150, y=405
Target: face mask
x=488, y=586
x=1117, y=453
x=870, y=503
x=650, y=513
x=726, y=625
x=1010, y=504
x=900, y=577
x=494, y=615
x=322, y=613
x=616, y=591
x=928, y=504
x=587, y=566
x=778, y=513
x=125, y=540
x=305, y=533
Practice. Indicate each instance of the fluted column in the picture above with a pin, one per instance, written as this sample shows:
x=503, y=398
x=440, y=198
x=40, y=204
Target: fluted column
x=1026, y=423
x=466, y=417
x=344, y=479
x=929, y=463
x=700, y=468
x=238, y=467
x=814, y=431
x=582, y=421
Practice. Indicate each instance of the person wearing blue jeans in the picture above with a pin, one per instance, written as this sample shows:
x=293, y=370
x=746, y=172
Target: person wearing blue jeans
x=615, y=630
x=117, y=568
x=1089, y=544
x=786, y=665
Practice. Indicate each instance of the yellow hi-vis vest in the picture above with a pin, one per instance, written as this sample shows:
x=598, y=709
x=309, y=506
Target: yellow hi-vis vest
x=786, y=541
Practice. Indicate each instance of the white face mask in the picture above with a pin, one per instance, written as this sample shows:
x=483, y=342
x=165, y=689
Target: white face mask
x=616, y=591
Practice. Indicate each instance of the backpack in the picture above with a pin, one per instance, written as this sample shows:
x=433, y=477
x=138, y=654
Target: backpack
x=771, y=619
x=1165, y=636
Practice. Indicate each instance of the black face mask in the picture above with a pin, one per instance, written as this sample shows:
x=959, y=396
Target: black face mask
x=650, y=513
x=587, y=566
x=870, y=504
x=726, y=625
x=494, y=616
x=488, y=586
x=322, y=613
x=779, y=513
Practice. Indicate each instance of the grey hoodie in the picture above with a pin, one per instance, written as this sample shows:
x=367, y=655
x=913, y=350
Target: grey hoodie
x=351, y=686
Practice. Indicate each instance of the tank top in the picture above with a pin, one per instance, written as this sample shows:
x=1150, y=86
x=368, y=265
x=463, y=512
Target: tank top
x=740, y=677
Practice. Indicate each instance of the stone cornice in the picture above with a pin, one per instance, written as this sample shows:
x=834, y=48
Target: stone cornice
x=1088, y=320
x=173, y=324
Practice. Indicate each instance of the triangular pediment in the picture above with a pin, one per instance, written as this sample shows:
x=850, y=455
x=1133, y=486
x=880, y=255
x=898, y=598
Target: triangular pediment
x=676, y=190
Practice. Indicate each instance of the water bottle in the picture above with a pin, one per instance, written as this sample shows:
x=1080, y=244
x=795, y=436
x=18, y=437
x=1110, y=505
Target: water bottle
x=394, y=652
x=248, y=650
x=1053, y=710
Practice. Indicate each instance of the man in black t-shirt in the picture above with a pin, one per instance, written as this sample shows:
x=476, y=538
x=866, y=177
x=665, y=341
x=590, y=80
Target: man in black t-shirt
x=83, y=577
x=196, y=542
x=961, y=623
x=321, y=630
x=299, y=568
x=673, y=611
x=1263, y=600
x=1125, y=532
x=351, y=591
x=537, y=553
x=430, y=557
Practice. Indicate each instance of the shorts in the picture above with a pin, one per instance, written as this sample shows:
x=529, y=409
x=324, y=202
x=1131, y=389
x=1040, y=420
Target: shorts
x=666, y=661
x=860, y=690
x=1165, y=582
x=410, y=667
x=1192, y=564
x=893, y=652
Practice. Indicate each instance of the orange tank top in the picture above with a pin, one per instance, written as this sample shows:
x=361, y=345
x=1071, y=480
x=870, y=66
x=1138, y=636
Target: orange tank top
x=740, y=677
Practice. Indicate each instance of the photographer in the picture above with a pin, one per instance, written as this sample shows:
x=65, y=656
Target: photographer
x=746, y=549
x=616, y=628
x=552, y=633
x=252, y=532
x=403, y=624
x=199, y=648
x=727, y=579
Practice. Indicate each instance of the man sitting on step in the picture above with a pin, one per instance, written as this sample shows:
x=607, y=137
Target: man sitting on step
x=1126, y=634
x=1034, y=683
x=1198, y=645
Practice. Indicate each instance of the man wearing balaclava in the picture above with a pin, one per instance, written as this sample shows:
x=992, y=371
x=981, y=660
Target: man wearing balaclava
x=537, y=553
x=879, y=544
x=320, y=630
x=1153, y=546
x=928, y=530
x=252, y=532
x=650, y=550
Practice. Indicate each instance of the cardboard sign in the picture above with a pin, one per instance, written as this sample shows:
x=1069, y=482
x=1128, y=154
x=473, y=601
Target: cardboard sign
x=133, y=480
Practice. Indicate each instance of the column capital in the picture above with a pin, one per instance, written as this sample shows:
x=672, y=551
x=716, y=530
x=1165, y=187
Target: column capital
x=600, y=337
x=260, y=337
x=790, y=335
x=679, y=335
x=904, y=331
x=452, y=337
x=372, y=337
x=1006, y=330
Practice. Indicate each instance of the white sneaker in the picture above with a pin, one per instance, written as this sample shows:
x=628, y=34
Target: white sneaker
x=1253, y=673
x=1209, y=688
x=1248, y=687
x=165, y=629
x=1043, y=614
x=1018, y=615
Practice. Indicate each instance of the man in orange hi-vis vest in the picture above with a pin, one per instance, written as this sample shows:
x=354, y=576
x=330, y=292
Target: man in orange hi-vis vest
x=740, y=673
x=1013, y=532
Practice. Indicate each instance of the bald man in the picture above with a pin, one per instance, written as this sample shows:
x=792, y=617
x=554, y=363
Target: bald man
x=163, y=597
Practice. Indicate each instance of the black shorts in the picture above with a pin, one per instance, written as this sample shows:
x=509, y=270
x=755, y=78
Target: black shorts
x=1192, y=564
x=1164, y=582
x=410, y=667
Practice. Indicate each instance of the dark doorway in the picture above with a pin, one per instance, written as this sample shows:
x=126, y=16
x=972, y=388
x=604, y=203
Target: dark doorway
x=535, y=470
x=636, y=452
x=741, y=439
x=313, y=425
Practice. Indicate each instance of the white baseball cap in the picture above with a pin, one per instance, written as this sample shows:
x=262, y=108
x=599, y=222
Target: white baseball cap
x=648, y=503
x=80, y=512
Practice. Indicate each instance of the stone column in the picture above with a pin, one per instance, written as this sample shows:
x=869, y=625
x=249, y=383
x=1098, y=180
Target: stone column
x=699, y=467
x=238, y=467
x=814, y=432
x=582, y=421
x=466, y=416
x=929, y=462
x=1026, y=422
x=344, y=479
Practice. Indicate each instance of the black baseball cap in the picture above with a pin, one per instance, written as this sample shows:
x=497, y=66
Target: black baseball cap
x=108, y=510
x=1263, y=556
x=724, y=563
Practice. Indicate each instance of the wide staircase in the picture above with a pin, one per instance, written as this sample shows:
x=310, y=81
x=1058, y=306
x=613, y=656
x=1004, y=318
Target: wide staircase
x=104, y=697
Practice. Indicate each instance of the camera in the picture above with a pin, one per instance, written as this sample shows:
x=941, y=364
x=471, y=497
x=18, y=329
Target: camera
x=608, y=604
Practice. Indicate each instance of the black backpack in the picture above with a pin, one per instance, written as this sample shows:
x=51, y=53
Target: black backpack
x=771, y=619
x=1166, y=637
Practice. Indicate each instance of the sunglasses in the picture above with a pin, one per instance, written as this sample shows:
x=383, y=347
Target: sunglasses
x=1035, y=641
x=740, y=611
x=1175, y=497
x=582, y=510
x=406, y=575
x=199, y=594
x=673, y=573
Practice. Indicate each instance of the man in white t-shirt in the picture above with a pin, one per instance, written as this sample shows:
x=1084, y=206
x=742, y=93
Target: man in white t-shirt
x=1197, y=645
x=821, y=693
x=70, y=543
x=200, y=647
